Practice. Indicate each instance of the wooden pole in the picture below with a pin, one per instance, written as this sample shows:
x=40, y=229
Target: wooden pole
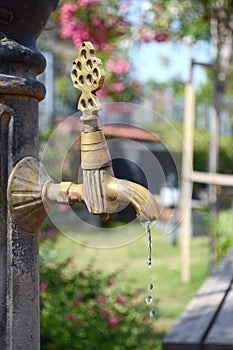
x=186, y=182
x=212, y=178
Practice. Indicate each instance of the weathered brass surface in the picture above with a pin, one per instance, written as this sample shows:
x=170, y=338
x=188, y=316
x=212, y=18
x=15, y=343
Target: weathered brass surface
x=32, y=193
x=88, y=75
x=101, y=192
x=24, y=193
x=94, y=151
x=123, y=191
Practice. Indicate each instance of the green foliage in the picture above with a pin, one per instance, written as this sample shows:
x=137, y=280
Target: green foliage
x=201, y=149
x=221, y=227
x=44, y=137
x=171, y=135
x=68, y=268
x=188, y=19
x=175, y=85
x=225, y=155
x=65, y=93
x=85, y=310
x=204, y=94
x=180, y=19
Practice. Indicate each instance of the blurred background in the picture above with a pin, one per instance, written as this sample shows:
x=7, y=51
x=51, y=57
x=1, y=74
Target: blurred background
x=150, y=50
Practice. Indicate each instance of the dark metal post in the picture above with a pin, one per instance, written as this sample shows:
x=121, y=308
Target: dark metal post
x=20, y=24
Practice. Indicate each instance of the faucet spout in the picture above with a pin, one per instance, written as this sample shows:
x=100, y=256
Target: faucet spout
x=127, y=192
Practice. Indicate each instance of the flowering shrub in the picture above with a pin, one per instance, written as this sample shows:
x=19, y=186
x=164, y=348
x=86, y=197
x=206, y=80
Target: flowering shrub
x=106, y=26
x=92, y=20
x=113, y=28
x=87, y=310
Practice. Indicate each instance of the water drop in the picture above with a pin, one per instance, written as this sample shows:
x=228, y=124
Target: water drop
x=148, y=233
x=148, y=300
x=152, y=313
x=150, y=287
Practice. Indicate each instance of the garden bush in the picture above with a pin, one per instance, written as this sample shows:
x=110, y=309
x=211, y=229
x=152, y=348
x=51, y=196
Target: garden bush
x=87, y=310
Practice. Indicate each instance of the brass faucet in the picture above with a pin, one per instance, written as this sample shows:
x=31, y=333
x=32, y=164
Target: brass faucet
x=32, y=193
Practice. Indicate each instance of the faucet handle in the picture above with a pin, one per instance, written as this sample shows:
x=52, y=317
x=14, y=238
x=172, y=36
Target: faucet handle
x=88, y=75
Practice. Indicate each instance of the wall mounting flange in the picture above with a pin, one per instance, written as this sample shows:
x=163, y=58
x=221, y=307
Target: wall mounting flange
x=24, y=194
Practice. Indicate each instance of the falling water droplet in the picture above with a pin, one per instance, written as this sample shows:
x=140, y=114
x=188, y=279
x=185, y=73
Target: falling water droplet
x=148, y=300
x=152, y=313
x=148, y=233
x=150, y=287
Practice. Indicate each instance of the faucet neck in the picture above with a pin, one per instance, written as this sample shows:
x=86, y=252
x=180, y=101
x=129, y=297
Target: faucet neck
x=94, y=151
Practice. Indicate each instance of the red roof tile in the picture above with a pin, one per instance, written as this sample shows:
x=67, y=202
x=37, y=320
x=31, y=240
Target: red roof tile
x=115, y=130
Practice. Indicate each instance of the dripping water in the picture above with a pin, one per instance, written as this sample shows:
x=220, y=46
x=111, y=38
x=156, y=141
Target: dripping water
x=149, y=298
x=152, y=313
x=150, y=287
x=148, y=233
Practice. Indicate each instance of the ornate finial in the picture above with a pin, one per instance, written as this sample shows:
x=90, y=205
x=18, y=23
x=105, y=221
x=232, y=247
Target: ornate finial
x=88, y=75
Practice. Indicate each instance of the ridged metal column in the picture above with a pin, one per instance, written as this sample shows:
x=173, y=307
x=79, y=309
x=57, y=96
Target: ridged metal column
x=20, y=24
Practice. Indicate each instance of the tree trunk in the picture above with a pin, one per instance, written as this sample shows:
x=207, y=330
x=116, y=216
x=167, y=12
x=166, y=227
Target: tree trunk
x=221, y=39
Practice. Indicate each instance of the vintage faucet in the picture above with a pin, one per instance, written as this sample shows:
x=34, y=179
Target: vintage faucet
x=31, y=191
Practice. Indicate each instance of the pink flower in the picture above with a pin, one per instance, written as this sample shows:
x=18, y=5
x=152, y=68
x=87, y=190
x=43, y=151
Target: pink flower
x=123, y=7
x=112, y=20
x=51, y=232
x=62, y=208
x=69, y=8
x=68, y=23
x=70, y=317
x=144, y=36
x=118, y=87
x=118, y=66
x=96, y=22
x=67, y=28
x=121, y=25
x=78, y=303
x=89, y=309
x=102, y=93
x=80, y=33
x=104, y=312
x=43, y=287
x=108, y=48
x=101, y=298
x=81, y=296
x=114, y=322
x=85, y=3
x=110, y=283
x=121, y=300
x=161, y=37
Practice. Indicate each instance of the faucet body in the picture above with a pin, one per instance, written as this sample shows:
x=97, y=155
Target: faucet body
x=31, y=191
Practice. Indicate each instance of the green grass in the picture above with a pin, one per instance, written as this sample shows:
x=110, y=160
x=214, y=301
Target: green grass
x=170, y=293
